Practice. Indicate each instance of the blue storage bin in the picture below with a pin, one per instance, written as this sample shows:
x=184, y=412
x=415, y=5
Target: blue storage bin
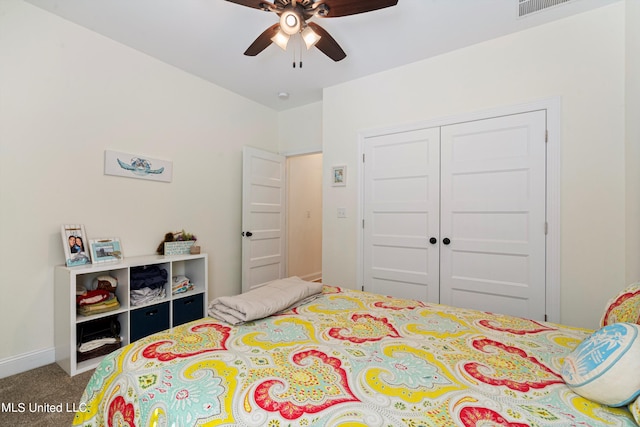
x=148, y=320
x=187, y=309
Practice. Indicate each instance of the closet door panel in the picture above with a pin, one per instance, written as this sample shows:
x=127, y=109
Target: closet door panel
x=401, y=199
x=493, y=211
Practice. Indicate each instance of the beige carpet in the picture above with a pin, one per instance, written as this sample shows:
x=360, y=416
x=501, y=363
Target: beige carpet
x=34, y=398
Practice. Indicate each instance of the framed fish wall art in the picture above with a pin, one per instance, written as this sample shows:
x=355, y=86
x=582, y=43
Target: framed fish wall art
x=137, y=166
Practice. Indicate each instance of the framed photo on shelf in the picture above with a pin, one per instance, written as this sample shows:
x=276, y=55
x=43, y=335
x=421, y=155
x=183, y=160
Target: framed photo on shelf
x=106, y=250
x=74, y=242
x=339, y=176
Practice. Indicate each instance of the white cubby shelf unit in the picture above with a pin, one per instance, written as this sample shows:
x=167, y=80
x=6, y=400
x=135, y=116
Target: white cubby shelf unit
x=135, y=321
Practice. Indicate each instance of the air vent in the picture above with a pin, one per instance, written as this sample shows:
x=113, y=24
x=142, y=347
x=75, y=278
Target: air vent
x=530, y=6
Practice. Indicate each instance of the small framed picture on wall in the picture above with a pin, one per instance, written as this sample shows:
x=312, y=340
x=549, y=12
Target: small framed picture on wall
x=339, y=176
x=74, y=242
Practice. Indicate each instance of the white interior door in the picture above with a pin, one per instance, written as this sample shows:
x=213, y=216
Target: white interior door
x=263, y=217
x=401, y=203
x=493, y=213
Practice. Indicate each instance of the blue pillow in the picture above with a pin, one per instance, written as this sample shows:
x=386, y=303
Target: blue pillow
x=605, y=367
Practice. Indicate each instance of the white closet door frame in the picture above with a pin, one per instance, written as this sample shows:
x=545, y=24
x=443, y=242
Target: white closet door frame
x=553, y=109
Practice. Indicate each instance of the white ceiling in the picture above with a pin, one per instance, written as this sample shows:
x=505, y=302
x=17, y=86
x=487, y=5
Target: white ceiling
x=207, y=38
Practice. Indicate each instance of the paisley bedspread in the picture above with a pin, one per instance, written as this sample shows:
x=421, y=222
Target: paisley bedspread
x=348, y=358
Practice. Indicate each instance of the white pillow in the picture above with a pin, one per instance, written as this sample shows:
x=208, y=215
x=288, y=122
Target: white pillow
x=605, y=367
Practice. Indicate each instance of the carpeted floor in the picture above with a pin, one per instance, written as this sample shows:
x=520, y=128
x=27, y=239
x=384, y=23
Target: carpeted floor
x=44, y=396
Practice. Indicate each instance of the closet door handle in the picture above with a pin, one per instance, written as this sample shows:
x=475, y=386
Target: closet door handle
x=433, y=240
x=247, y=234
x=446, y=241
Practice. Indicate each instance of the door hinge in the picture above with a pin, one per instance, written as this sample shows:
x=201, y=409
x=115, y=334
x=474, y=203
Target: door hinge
x=546, y=136
x=362, y=157
x=546, y=318
x=362, y=288
x=546, y=228
x=363, y=223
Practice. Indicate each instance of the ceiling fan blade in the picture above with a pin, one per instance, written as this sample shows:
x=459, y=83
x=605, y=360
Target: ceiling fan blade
x=352, y=7
x=263, y=41
x=327, y=44
x=256, y=4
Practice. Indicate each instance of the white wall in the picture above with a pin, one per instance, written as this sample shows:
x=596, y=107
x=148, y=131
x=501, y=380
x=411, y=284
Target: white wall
x=580, y=59
x=66, y=95
x=633, y=139
x=300, y=129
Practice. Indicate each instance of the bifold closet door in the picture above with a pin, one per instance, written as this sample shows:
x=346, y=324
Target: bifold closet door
x=401, y=210
x=492, y=214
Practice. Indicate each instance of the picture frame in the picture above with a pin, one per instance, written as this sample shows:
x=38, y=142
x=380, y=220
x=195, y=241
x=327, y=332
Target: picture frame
x=75, y=244
x=106, y=250
x=339, y=176
x=137, y=166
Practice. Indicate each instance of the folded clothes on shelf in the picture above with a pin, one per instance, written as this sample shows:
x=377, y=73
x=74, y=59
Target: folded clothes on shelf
x=92, y=297
x=181, y=284
x=109, y=304
x=146, y=296
x=150, y=276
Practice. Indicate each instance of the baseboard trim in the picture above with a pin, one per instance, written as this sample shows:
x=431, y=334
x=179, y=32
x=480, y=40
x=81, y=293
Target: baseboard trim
x=27, y=361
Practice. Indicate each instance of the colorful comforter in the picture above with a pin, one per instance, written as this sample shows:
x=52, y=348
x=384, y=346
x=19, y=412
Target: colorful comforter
x=348, y=358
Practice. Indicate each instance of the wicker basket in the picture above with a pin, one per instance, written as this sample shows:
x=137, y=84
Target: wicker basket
x=97, y=352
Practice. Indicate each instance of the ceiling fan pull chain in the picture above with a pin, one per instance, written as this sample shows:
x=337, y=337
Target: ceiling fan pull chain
x=300, y=47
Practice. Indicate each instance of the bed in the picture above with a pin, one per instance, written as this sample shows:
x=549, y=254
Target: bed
x=347, y=358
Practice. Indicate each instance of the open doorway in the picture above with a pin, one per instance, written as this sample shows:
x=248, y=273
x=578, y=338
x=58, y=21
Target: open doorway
x=304, y=216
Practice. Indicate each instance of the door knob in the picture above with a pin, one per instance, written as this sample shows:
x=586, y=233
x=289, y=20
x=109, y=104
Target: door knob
x=248, y=233
x=446, y=241
x=433, y=240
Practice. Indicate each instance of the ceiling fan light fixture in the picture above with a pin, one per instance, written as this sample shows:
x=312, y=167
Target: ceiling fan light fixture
x=281, y=39
x=310, y=37
x=290, y=22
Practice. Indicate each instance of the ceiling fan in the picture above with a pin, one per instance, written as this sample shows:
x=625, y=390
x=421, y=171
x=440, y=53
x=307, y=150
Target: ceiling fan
x=294, y=15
